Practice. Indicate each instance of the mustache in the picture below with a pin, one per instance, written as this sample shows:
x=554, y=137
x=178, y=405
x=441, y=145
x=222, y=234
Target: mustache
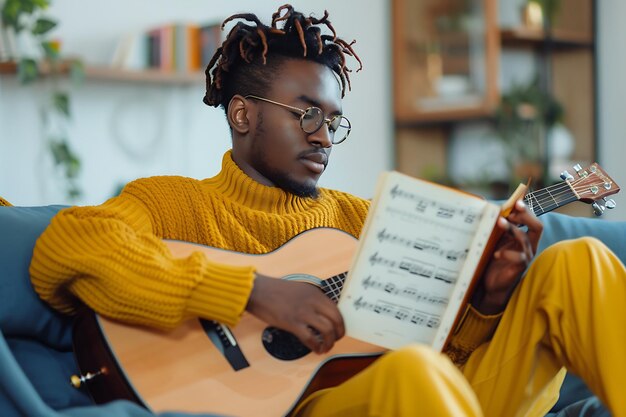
x=315, y=151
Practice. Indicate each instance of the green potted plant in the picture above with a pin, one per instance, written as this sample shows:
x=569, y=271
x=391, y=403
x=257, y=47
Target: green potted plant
x=524, y=116
x=44, y=63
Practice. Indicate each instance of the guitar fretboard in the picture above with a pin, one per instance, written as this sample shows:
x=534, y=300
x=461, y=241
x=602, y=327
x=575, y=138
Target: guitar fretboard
x=332, y=286
x=550, y=198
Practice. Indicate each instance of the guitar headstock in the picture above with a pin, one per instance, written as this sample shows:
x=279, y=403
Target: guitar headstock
x=591, y=185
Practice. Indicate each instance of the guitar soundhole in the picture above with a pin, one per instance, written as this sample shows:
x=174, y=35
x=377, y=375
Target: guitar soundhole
x=283, y=345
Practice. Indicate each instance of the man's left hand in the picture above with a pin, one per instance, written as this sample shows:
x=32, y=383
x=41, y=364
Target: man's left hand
x=513, y=253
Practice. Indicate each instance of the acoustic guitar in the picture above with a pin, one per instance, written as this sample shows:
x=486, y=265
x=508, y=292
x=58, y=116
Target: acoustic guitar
x=253, y=369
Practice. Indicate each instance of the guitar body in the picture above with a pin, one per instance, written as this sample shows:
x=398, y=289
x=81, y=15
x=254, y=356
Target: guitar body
x=184, y=370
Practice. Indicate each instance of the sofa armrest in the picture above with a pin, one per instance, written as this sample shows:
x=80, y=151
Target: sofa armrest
x=560, y=227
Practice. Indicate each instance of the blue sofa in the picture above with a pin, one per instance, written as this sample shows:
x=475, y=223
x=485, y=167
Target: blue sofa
x=35, y=342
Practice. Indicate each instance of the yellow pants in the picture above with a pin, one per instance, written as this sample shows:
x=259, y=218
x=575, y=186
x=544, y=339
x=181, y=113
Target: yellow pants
x=569, y=311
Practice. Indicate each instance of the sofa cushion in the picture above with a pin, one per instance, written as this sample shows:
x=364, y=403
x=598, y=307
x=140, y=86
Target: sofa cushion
x=39, y=337
x=560, y=226
x=22, y=312
x=49, y=372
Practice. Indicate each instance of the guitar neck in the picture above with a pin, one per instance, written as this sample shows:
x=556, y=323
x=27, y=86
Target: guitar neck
x=550, y=198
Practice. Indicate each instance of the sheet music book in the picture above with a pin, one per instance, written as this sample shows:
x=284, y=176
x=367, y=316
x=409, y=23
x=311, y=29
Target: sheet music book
x=421, y=251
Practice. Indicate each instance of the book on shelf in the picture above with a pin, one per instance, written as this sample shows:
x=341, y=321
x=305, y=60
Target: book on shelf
x=174, y=47
x=210, y=39
x=420, y=254
x=130, y=52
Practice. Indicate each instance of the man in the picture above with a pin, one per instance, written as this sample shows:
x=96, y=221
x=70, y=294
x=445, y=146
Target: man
x=281, y=88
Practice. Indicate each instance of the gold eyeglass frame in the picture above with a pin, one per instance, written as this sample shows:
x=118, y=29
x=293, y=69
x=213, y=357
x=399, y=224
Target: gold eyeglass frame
x=302, y=113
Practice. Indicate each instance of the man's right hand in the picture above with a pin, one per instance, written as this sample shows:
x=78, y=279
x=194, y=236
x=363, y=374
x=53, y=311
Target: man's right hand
x=299, y=308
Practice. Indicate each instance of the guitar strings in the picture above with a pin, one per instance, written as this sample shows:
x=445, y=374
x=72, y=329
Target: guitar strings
x=335, y=285
x=559, y=190
x=549, y=198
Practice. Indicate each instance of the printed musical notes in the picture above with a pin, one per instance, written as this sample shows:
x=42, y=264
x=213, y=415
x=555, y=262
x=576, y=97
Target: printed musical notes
x=415, y=261
x=441, y=210
x=422, y=245
x=408, y=292
x=415, y=317
x=415, y=267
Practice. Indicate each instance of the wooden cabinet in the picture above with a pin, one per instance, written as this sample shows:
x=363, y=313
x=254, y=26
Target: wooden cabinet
x=445, y=60
x=450, y=69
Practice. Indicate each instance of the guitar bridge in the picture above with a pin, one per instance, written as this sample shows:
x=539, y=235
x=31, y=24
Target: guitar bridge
x=225, y=341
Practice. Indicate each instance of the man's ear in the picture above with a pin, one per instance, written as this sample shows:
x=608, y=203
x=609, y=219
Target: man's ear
x=240, y=114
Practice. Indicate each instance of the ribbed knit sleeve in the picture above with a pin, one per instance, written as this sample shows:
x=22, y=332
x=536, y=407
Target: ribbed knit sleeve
x=109, y=257
x=473, y=330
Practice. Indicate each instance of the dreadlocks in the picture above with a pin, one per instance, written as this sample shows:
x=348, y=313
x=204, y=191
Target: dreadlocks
x=251, y=55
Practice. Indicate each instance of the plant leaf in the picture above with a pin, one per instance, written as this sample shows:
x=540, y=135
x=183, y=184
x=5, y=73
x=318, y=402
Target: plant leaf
x=72, y=166
x=42, y=4
x=14, y=9
x=11, y=13
x=74, y=192
x=61, y=102
x=59, y=151
x=64, y=157
x=27, y=70
x=28, y=6
x=43, y=25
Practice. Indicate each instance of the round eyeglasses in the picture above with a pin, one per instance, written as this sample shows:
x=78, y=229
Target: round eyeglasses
x=313, y=118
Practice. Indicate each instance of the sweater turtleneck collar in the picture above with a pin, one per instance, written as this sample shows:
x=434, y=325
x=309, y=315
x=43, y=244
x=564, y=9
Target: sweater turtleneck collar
x=235, y=185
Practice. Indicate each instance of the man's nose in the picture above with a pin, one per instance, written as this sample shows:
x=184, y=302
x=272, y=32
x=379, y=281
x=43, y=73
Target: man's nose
x=322, y=137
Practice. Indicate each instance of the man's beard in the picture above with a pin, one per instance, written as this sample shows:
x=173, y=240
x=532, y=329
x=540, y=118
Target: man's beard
x=282, y=180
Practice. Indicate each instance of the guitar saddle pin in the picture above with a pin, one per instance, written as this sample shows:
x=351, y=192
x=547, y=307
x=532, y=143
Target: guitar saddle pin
x=78, y=380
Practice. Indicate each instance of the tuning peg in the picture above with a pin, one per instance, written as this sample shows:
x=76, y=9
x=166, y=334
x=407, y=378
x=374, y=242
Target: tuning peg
x=598, y=209
x=610, y=203
x=578, y=168
x=565, y=175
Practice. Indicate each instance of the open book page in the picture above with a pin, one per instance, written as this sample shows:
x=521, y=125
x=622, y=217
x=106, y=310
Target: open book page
x=415, y=262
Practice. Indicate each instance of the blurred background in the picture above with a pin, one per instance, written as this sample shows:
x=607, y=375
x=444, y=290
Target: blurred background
x=478, y=94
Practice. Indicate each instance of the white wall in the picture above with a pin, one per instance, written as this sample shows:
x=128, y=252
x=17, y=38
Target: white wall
x=612, y=96
x=123, y=131
x=179, y=135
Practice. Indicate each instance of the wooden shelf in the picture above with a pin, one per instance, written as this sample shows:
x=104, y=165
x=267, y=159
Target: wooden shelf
x=8, y=67
x=449, y=114
x=148, y=76
x=527, y=37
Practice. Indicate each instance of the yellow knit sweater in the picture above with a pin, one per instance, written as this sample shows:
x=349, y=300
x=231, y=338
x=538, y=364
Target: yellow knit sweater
x=113, y=259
